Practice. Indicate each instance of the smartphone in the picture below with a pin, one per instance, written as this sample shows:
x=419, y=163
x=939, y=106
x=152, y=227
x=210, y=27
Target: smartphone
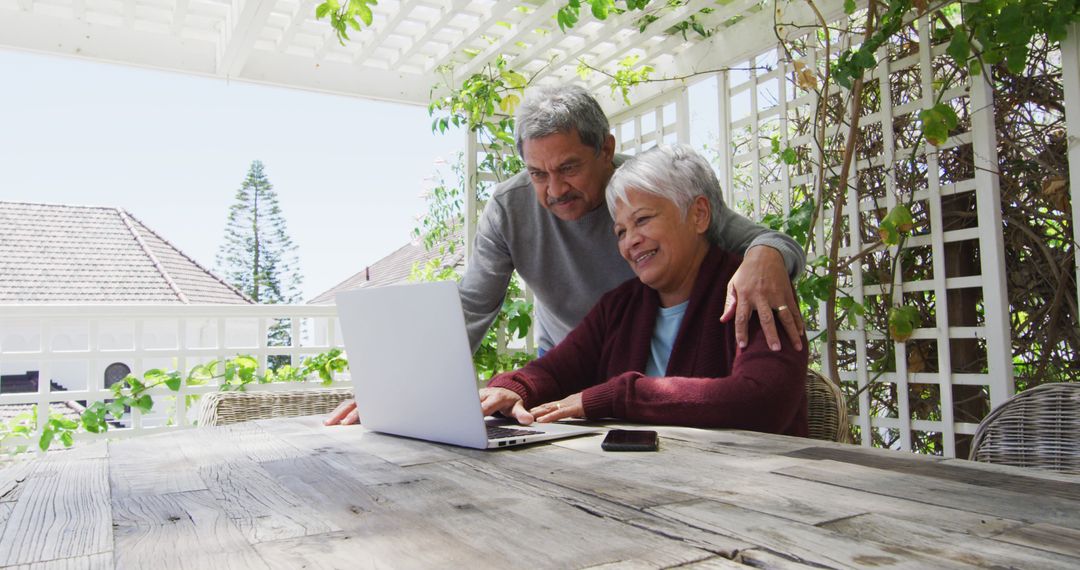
x=630, y=440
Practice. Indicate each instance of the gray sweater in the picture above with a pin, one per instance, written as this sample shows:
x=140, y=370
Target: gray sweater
x=567, y=265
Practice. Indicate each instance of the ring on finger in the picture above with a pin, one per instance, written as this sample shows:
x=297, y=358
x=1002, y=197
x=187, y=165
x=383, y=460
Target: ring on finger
x=781, y=308
x=558, y=406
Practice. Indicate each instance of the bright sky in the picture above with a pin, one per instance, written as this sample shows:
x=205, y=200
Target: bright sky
x=172, y=150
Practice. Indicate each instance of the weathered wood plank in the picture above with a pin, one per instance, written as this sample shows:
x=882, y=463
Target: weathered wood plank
x=1046, y=537
x=259, y=444
x=262, y=509
x=63, y=512
x=803, y=543
x=678, y=473
x=714, y=563
x=387, y=543
x=1013, y=470
x=101, y=561
x=449, y=508
x=1028, y=507
x=178, y=530
x=757, y=558
x=5, y=513
x=953, y=546
x=534, y=482
x=969, y=473
x=13, y=478
x=151, y=466
x=398, y=450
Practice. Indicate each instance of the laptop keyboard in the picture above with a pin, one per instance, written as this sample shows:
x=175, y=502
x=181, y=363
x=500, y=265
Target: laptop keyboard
x=497, y=432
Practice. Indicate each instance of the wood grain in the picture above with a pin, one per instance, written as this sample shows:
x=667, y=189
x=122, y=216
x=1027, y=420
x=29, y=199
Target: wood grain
x=447, y=508
x=1021, y=506
x=101, y=561
x=292, y=493
x=262, y=509
x=1047, y=537
x=802, y=543
x=178, y=530
x=957, y=547
x=63, y=512
x=151, y=466
x=13, y=478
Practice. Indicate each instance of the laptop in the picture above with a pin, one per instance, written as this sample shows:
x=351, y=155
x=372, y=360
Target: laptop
x=412, y=369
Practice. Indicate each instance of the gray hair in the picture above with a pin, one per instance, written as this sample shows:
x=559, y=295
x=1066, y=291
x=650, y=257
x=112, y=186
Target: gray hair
x=676, y=173
x=550, y=110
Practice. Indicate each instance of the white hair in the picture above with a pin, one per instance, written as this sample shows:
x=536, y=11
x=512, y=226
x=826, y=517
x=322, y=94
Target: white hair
x=674, y=172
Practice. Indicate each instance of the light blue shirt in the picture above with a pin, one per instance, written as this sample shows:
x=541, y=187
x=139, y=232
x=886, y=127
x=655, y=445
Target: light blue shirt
x=663, y=338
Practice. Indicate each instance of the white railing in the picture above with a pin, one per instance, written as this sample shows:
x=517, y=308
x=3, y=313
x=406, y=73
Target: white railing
x=74, y=344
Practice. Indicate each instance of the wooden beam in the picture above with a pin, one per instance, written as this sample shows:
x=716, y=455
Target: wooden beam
x=448, y=13
x=494, y=15
x=178, y=17
x=367, y=50
x=611, y=26
x=522, y=29
x=242, y=26
x=307, y=8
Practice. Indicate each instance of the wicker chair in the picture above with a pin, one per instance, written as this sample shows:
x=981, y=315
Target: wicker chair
x=826, y=409
x=1038, y=428
x=223, y=408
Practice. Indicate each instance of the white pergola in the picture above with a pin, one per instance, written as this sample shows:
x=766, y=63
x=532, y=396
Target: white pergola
x=397, y=58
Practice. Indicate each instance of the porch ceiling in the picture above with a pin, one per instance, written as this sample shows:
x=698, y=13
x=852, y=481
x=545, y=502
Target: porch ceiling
x=398, y=58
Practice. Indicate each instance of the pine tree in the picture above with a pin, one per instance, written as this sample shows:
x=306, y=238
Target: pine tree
x=258, y=257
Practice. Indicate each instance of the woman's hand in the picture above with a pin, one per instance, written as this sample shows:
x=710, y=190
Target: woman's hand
x=568, y=407
x=506, y=402
x=345, y=414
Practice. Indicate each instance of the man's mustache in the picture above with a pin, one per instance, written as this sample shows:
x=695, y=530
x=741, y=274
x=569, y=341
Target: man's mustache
x=569, y=196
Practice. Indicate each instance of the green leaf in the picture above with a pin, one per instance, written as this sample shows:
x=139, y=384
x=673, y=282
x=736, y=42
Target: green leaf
x=515, y=79
x=788, y=156
x=865, y=59
x=173, y=381
x=600, y=9
x=144, y=404
x=933, y=126
x=116, y=409
x=902, y=322
x=93, y=422
x=849, y=7
x=65, y=423
x=948, y=115
x=365, y=13
x=67, y=439
x=47, y=435
x=959, y=48
x=322, y=10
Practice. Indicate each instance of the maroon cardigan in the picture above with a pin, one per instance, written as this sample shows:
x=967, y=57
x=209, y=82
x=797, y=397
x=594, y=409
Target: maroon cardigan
x=710, y=382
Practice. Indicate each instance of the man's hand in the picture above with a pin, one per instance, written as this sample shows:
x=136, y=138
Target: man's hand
x=506, y=402
x=568, y=407
x=762, y=284
x=345, y=414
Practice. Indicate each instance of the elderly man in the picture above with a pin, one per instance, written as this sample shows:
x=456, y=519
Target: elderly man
x=558, y=235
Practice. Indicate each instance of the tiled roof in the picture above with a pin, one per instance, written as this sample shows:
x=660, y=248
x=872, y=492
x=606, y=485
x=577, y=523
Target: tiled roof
x=86, y=254
x=394, y=268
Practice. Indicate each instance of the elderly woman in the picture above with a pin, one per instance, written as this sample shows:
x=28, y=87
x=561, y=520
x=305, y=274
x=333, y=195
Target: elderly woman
x=653, y=349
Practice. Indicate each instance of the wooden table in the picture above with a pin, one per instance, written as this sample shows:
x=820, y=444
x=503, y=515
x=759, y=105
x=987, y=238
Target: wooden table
x=291, y=493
